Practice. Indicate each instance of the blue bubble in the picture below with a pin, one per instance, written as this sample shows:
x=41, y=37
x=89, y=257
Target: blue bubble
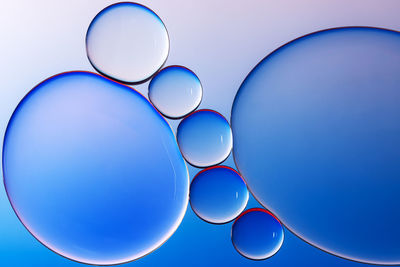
x=93, y=171
x=316, y=129
x=127, y=42
x=204, y=138
x=218, y=194
x=175, y=91
x=257, y=234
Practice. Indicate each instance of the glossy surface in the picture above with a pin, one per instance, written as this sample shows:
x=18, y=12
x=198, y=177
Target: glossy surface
x=127, y=42
x=44, y=37
x=218, y=194
x=257, y=234
x=204, y=138
x=175, y=91
x=93, y=171
x=316, y=130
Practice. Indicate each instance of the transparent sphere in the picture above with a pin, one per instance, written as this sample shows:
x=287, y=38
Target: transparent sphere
x=175, y=91
x=257, y=234
x=93, y=171
x=127, y=42
x=316, y=128
x=218, y=194
x=204, y=138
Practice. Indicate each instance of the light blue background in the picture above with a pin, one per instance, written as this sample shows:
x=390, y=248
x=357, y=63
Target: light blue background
x=220, y=41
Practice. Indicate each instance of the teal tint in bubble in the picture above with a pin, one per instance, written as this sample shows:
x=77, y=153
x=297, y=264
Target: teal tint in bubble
x=316, y=129
x=218, y=194
x=257, y=234
x=93, y=171
x=204, y=138
x=175, y=91
x=127, y=42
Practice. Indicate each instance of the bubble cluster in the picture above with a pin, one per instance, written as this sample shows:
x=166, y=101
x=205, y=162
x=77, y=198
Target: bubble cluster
x=80, y=149
x=93, y=170
x=218, y=194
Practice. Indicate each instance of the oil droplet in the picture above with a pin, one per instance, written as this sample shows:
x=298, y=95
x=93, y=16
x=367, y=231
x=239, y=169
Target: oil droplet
x=204, y=138
x=218, y=194
x=127, y=42
x=175, y=91
x=257, y=234
x=316, y=129
x=84, y=157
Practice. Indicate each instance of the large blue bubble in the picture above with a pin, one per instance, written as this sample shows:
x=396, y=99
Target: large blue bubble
x=316, y=129
x=93, y=171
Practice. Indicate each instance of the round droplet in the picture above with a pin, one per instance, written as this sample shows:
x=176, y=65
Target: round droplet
x=316, y=129
x=218, y=194
x=93, y=171
x=204, y=138
x=127, y=42
x=257, y=234
x=175, y=91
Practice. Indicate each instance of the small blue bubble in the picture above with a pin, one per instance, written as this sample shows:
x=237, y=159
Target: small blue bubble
x=204, y=138
x=93, y=171
x=127, y=42
x=175, y=91
x=218, y=194
x=257, y=234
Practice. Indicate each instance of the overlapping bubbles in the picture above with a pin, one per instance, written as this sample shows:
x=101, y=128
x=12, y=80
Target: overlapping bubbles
x=94, y=172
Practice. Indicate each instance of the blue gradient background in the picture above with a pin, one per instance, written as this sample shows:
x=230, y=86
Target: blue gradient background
x=221, y=41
